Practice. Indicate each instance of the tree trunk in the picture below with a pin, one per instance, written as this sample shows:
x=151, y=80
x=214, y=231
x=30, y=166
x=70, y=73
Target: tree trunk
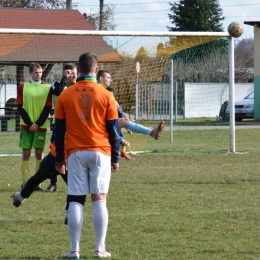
x=101, y=15
x=68, y=4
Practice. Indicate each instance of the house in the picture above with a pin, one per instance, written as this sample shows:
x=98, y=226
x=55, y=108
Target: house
x=19, y=50
x=48, y=49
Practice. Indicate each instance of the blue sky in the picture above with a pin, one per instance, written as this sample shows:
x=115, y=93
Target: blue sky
x=152, y=15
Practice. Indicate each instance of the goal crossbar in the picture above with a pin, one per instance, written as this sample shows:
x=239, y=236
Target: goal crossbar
x=110, y=33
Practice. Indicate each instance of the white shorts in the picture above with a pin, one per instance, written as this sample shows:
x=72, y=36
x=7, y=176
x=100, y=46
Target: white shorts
x=89, y=172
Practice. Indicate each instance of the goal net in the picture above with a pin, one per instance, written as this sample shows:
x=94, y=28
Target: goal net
x=183, y=79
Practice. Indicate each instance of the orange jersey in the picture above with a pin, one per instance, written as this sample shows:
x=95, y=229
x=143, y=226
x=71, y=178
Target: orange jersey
x=85, y=107
x=53, y=150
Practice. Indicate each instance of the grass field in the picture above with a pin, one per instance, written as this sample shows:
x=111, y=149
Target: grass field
x=187, y=136
x=184, y=204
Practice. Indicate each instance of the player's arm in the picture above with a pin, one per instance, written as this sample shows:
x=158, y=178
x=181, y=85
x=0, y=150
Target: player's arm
x=113, y=130
x=58, y=138
x=57, y=87
x=20, y=108
x=24, y=115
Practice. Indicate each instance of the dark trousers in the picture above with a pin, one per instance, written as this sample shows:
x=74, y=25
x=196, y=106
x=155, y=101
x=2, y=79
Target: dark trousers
x=46, y=171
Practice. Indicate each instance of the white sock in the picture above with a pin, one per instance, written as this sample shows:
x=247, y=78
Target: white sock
x=20, y=197
x=100, y=222
x=75, y=220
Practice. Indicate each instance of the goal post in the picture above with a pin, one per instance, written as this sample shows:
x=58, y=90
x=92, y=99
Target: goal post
x=167, y=60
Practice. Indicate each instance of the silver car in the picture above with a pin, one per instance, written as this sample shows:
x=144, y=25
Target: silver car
x=244, y=108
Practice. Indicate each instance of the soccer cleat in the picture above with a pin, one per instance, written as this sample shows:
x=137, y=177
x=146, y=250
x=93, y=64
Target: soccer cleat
x=125, y=155
x=72, y=255
x=156, y=132
x=104, y=254
x=16, y=202
x=51, y=188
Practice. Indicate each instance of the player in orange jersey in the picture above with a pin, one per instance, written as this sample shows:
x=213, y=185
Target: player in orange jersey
x=87, y=114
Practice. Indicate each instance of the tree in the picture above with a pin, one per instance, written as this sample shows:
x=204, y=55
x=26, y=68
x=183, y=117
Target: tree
x=47, y=4
x=107, y=19
x=244, y=60
x=244, y=53
x=196, y=15
x=141, y=54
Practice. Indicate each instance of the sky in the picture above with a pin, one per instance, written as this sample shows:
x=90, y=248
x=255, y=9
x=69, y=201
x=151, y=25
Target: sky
x=152, y=15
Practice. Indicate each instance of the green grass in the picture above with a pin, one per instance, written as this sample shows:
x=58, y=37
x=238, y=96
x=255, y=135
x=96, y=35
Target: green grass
x=185, y=204
x=185, y=138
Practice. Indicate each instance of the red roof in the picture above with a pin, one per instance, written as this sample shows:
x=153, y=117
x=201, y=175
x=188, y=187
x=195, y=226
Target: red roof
x=49, y=48
x=43, y=19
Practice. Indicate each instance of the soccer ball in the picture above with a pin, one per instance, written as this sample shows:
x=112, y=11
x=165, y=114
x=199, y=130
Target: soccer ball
x=235, y=29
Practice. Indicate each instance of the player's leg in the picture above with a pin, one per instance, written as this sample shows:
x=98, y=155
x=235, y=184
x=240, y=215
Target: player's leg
x=53, y=185
x=26, y=154
x=75, y=220
x=154, y=133
x=38, y=145
x=138, y=128
x=78, y=188
x=25, y=142
x=123, y=152
x=46, y=170
x=98, y=190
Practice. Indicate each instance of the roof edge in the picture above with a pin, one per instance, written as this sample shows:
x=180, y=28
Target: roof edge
x=252, y=23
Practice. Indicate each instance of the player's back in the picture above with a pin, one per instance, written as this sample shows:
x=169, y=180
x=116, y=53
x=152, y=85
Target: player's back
x=86, y=106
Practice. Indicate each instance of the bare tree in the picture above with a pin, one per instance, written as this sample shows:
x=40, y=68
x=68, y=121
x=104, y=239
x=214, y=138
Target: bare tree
x=107, y=18
x=244, y=60
x=244, y=53
x=47, y=4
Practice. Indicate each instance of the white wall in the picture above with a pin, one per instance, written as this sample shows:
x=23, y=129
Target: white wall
x=205, y=99
x=7, y=91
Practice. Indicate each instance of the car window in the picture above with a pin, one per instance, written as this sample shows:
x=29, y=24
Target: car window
x=250, y=96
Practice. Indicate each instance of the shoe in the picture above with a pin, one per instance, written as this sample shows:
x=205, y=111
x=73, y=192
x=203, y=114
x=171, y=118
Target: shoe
x=72, y=255
x=52, y=188
x=125, y=155
x=104, y=254
x=39, y=189
x=16, y=202
x=156, y=132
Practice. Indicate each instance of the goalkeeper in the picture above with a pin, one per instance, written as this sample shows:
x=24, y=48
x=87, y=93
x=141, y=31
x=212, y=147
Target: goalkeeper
x=104, y=79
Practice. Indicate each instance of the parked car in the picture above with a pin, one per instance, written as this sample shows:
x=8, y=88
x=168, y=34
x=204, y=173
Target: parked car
x=244, y=108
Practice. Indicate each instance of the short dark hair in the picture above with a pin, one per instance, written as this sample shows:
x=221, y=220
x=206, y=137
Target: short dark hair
x=69, y=66
x=87, y=61
x=33, y=66
x=101, y=73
